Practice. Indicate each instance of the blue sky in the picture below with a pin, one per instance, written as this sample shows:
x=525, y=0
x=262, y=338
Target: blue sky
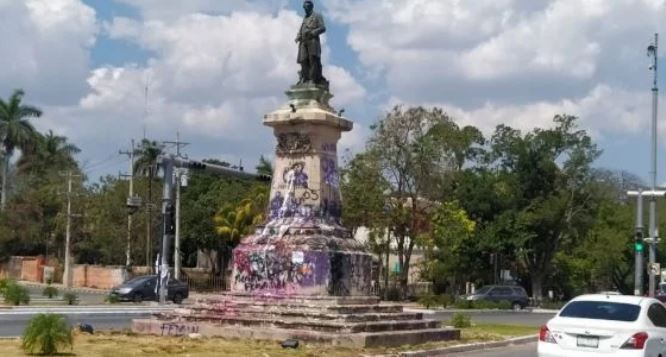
x=215, y=67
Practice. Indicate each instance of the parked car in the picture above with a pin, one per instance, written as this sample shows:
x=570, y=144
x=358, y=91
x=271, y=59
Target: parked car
x=143, y=288
x=606, y=325
x=515, y=295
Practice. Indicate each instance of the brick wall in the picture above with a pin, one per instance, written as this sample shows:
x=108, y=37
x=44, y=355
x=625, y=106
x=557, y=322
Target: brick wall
x=32, y=269
x=99, y=277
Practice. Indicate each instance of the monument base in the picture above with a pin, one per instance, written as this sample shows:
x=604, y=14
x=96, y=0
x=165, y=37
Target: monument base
x=294, y=256
x=359, y=321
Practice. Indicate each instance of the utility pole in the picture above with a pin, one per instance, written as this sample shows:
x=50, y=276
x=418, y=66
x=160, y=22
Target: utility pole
x=132, y=205
x=167, y=226
x=638, y=246
x=178, y=173
x=652, y=51
x=67, y=276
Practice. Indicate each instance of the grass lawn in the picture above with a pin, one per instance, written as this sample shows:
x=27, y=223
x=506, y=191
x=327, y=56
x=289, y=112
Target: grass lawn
x=122, y=344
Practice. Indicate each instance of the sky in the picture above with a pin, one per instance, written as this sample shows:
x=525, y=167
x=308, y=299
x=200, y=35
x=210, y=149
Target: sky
x=213, y=68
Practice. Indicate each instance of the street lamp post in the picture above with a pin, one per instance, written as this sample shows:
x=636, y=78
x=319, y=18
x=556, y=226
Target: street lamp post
x=652, y=51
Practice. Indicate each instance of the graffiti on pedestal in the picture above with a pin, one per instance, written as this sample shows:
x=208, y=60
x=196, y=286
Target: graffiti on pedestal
x=295, y=176
x=330, y=172
x=278, y=270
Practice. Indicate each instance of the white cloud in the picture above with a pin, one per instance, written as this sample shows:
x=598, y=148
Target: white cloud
x=211, y=77
x=605, y=110
x=511, y=61
x=46, y=45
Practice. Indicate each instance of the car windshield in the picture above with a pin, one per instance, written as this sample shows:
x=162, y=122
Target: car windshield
x=137, y=280
x=601, y=310
x=483, y=290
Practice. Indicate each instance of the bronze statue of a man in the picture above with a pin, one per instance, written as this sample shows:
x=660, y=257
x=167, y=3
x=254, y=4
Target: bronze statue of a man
x=309, y=48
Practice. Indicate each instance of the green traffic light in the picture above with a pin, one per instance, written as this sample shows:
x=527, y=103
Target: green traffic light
x=638, y=246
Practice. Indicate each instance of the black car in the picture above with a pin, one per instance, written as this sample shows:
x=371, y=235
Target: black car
x=143, y=288
x=515, y=295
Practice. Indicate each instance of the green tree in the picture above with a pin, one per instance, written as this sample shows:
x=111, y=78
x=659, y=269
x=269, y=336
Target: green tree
x=16, y=131
x=448, y=254
x=265, y=167
x=416, y=159
x=550, y=172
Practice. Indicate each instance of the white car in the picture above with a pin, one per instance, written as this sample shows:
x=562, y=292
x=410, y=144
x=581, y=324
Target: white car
x=606, y=325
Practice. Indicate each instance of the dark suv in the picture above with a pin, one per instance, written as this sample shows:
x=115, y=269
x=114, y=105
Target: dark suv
x=515, y=295
x=143, y=288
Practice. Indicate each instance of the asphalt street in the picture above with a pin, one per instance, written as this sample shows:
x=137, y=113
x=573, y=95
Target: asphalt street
x=13, y=322
x=522, y=318
x=13, y=326
x=528, y=350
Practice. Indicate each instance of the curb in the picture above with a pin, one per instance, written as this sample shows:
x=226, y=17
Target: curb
x=472, y=347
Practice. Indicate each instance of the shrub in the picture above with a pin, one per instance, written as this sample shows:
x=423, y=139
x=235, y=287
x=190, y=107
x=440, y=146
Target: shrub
x=461, y=320
x=3, y=285
x=428, y=300
x=16, y=294
x=46, y=334
x=50, y=292
x=70, y=297
x=112, y=299
x=444, y=300
x=463, y=304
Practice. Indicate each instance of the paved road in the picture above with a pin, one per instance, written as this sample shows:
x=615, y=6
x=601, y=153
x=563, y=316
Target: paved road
x=522, y=318
x=13, y=322
x=528, y=350
x=13, y=326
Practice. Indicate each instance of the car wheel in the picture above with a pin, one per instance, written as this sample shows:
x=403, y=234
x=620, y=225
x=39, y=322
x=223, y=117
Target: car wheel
x=137, y=298
x=178, y=298
x=516, y=306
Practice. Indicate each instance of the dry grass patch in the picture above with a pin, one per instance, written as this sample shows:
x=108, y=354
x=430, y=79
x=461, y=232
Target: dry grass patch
x=127, y=344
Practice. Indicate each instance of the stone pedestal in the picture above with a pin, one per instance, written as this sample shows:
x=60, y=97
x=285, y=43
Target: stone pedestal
x=303, y=249
x=301, y=275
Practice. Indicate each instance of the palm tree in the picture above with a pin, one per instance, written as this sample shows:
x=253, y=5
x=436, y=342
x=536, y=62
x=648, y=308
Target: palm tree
x=232, y=223
x=15, y=132
x=52, y=149
x=146, y=164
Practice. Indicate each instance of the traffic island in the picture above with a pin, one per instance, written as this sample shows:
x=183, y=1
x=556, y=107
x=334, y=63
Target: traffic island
x=359, y=321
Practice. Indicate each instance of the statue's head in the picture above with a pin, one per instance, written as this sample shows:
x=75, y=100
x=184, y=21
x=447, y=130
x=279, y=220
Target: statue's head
x=308, y=6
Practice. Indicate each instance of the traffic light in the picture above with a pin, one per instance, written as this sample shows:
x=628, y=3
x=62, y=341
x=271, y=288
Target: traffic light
x=638, y=243
x=638, y=246
x=170, y=220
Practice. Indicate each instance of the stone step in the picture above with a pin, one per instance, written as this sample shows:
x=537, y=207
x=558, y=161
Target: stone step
x=363, y=339
x=266, y=307
x=315, y=325
x=410, y=337
x=312, y=315
x=364, y=309
x=297, y=299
